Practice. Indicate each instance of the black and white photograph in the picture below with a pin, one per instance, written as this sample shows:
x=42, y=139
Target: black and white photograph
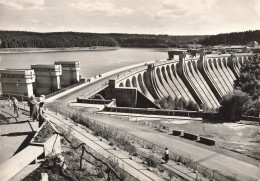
x=129, y=90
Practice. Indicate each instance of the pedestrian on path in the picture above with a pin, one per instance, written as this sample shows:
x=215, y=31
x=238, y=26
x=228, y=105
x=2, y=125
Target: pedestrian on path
x=41, y=118
x=16, y=106
x=166, y=155
x=9, y=103
x=33, y=104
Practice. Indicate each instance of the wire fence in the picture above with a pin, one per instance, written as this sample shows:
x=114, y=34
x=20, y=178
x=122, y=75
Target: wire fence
x=94, y=124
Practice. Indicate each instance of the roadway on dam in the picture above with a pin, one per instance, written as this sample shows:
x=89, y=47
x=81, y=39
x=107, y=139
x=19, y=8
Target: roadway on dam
x=214, y=160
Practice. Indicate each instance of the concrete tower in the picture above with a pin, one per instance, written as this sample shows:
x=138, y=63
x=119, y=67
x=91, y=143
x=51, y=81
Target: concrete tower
x=70, y=72
x=47, y=78
x=16, y=81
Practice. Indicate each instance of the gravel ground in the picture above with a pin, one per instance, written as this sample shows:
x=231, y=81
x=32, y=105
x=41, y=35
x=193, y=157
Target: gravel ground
x=241, y=138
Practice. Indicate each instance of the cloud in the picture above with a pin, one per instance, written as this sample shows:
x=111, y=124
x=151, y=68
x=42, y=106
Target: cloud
x=21, y=4
x=166, y=13
x=35, y=21
x=131, y=16
x=105, y=7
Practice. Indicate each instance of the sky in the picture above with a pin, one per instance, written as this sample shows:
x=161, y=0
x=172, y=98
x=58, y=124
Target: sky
x=172, y=17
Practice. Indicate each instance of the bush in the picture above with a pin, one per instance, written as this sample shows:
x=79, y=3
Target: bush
x=126, y=145
x=232, y=105
x=177, y=104
x=151, y=161
x=192, y=106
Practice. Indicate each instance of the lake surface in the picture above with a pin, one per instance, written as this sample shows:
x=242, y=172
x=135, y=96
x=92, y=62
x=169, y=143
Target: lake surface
x=91, y=62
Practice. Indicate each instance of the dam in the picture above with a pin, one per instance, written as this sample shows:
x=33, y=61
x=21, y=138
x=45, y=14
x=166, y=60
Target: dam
x=138, y=86
x=203, y=79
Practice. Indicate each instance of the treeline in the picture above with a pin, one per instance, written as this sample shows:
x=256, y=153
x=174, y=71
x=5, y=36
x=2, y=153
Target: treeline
x=237, y=38
x=138, y=40
x=21, y=39
x=245, y=99
x=18, y=39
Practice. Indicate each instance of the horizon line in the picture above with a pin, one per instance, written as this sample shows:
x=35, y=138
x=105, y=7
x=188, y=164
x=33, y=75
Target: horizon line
x=124, y=33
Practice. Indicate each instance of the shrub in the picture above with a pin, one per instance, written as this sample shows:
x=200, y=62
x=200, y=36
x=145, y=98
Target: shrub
x=232, y=105
x=151, y=161
x=126, y=145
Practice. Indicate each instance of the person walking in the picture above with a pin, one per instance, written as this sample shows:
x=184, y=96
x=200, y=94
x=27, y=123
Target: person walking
x=16, y=106
x=33, y=104
x=42, y=117
x=166, y=155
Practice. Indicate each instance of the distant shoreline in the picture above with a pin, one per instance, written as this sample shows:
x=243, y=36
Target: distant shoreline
x=48, y=50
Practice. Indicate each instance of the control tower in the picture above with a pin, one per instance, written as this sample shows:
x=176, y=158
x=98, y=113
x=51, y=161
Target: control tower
x=17, y=81
x=47, y=78
x=70, y=72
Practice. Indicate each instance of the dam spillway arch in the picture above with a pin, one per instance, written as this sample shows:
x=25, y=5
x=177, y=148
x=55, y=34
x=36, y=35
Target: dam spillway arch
x=204, y=79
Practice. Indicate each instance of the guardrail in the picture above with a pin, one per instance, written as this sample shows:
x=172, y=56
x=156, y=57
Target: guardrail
x=19, y=97
x=93, y=101
x=130, y=72
x=251, y=118
x=94, y=91
x=63, y=89
x=153, y=111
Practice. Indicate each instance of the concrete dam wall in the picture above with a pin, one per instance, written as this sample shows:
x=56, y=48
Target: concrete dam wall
x=204, y=79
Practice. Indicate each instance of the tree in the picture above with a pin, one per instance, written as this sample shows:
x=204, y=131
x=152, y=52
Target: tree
x=177, y=104
x=251, y=108
x=232, y=105
x=245, y=99
x=249, y=80
x=192, y=106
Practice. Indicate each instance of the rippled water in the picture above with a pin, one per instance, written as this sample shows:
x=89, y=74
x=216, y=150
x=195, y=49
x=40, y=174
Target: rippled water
x=92, y=62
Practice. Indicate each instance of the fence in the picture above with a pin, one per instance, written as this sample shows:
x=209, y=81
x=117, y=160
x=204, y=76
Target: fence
x=89, y=149
x=116, y=132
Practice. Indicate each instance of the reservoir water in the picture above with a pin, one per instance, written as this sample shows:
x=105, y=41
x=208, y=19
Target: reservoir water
x=91, y=62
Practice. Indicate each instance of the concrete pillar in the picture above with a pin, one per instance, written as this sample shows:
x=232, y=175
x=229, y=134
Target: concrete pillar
x=70, y=72
x=112, y=83
x=17, y=81
x=47, y=78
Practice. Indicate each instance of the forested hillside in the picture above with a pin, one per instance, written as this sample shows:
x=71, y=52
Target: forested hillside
x=137, y=40
x=238, y=38
x=19, y=39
